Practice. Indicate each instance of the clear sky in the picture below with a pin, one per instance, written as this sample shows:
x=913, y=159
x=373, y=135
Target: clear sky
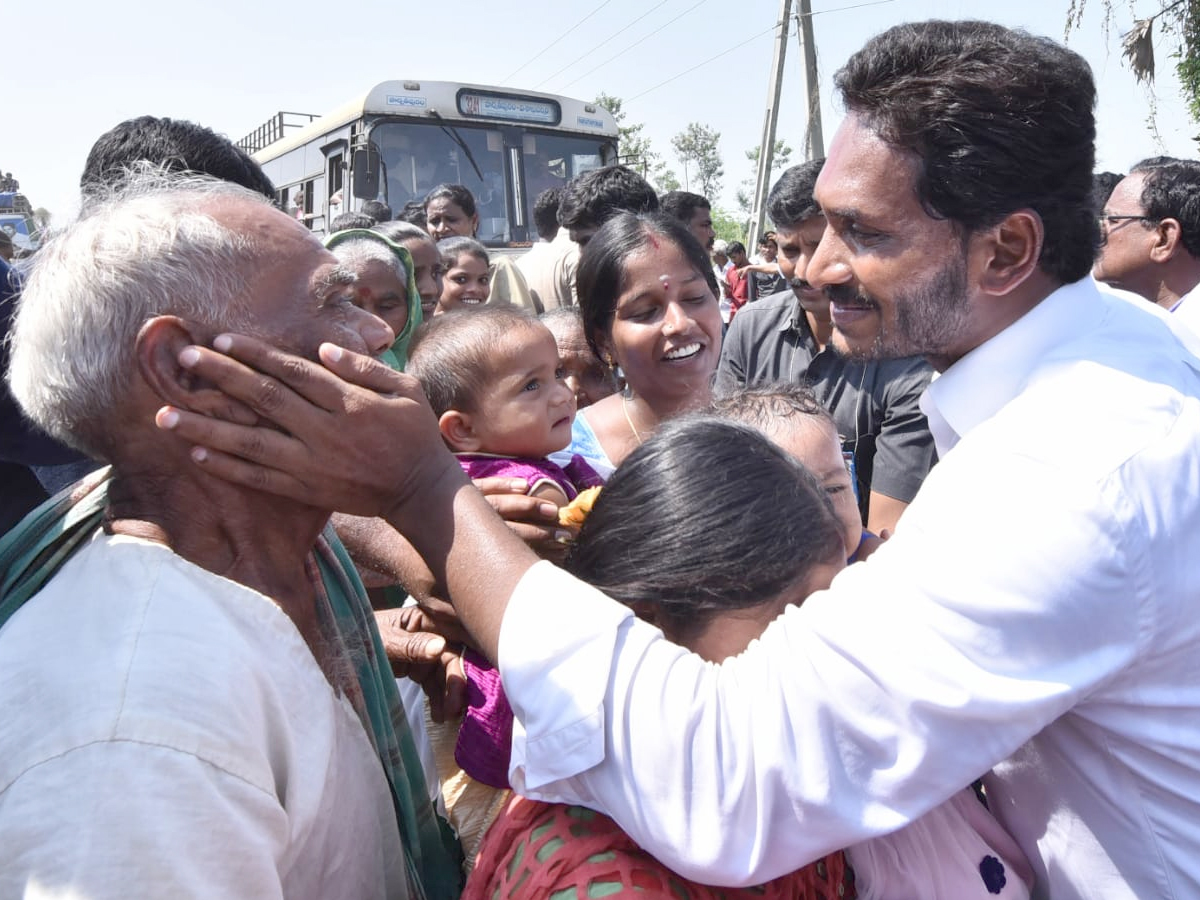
x=75, y=70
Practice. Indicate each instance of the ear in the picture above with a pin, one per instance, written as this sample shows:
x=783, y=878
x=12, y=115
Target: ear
x=475, y=224
x=604, y=345
x=159, y=343
x=1167, y=236
x=1008, y=252
x=457, y=431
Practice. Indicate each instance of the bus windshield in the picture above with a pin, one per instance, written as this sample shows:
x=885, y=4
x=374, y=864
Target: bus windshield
x=418, y=156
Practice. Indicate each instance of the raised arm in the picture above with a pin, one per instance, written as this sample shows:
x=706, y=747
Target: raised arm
x=855, y=714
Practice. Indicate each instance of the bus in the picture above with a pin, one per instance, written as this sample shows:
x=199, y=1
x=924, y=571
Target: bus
x=403, y=138
x=16, y=220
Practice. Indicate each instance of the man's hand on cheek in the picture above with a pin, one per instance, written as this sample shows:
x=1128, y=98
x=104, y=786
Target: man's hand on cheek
x=350, y=435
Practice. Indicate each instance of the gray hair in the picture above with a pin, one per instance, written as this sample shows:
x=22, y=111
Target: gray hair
x=147, y=249
x=354, y=253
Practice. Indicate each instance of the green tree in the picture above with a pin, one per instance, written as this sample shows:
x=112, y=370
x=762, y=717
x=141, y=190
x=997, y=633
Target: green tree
x=727, y=226
x=697, y=148
x=41, y=218
x=779, y=161
x=1177, y=20
x=634, y=149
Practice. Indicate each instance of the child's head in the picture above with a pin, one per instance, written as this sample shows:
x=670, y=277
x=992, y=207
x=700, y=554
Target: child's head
x=427, y=264
x=492, y=377
x=710, y=564
x=466, y=280
x=791, y=416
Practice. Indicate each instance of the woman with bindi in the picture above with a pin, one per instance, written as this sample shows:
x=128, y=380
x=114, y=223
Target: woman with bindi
x=648, y=300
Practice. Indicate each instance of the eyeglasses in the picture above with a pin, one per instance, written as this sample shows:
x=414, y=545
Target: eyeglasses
x=1108, y=220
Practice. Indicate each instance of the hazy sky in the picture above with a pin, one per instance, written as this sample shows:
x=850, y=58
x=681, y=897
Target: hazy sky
x=75, y=70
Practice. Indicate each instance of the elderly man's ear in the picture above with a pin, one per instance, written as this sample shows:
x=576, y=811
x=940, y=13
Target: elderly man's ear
x=159, y=343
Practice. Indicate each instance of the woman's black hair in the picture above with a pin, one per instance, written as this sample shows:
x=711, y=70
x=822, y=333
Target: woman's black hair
x=451, y=248
x=457, y=194
x=707, y=516
x=601, y=275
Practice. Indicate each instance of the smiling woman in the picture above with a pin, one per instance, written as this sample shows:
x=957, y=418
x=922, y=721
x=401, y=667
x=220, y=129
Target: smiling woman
x=649, y=303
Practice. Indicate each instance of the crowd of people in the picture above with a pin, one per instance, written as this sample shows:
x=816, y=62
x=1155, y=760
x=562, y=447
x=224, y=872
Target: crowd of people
x=385, y=565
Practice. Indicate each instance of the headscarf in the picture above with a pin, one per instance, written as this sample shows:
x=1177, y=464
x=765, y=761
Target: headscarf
x=397, y=355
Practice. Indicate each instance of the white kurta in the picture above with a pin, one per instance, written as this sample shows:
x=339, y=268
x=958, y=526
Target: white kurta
x=1036, y=612
x=167, y=733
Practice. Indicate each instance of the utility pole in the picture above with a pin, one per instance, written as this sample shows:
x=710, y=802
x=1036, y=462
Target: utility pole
x=814, y=140
x=766, y=151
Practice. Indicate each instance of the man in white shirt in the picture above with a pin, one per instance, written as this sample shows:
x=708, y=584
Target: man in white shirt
x=1035, y=619
x=194, y=695
x=547, y=270
x=1151, y=231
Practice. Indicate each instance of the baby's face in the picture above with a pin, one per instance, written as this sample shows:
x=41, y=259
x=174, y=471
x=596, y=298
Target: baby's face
x=528, y=409
x=814, y=443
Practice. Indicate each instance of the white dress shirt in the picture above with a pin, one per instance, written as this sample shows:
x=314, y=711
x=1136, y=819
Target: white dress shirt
x=168, y=733
x=1187, y=309
x=1037, y=614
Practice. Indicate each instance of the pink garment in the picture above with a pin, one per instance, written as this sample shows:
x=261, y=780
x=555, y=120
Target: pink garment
x=485, y=736
x=956, y=851
x=576, y=476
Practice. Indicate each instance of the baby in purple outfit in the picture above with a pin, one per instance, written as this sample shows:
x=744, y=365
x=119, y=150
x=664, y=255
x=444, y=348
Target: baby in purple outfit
x=492, y=376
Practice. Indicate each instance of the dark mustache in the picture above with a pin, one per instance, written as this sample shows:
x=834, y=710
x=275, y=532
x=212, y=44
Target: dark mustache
x=846, y=295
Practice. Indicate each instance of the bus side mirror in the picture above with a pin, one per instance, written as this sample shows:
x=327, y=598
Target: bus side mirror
x=365, y=164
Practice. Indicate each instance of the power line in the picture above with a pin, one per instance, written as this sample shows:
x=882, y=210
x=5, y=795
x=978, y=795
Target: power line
x=642, y=41
x=705, y=63
x=576, y=62
x=821, y=12
x=743, y=44
x=554, y=43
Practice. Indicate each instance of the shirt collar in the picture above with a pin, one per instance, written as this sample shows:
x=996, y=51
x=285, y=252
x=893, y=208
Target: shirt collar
x=977, y=386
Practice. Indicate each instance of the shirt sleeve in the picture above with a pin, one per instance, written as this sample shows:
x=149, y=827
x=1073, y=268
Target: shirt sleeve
x=904, y=449
x=854, y=714
x=129, y=819
x=731, y=368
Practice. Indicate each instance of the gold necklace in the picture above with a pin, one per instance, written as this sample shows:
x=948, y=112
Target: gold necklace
x=629, y=419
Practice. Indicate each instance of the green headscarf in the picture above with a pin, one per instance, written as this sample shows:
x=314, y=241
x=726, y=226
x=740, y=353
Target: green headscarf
x=397, y=356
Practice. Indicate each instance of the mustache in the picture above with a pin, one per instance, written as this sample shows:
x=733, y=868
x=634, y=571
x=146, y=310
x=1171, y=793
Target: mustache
x=846, y=295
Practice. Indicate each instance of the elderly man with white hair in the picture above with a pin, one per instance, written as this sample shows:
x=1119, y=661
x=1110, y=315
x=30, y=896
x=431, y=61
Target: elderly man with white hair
x=194, y=695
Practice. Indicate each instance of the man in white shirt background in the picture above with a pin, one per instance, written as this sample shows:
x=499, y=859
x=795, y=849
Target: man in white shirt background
x=1036, y=617
x=1151, y=230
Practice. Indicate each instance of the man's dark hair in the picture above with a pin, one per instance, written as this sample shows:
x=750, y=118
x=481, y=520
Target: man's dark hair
x=600, y=277
x=1000, y=120
x=1171, y=190
x=453, y=355
x=378, y=211
x=176, y=144
x=735, y=247
x=656, y=538
x=591, y=199
x=545, y=213
x=351, y=220
x=413, y=213
x=682, y=205
x=1102, y=188
x=791, y=199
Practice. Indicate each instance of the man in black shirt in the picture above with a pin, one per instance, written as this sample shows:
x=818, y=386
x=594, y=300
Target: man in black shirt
x=785, y=337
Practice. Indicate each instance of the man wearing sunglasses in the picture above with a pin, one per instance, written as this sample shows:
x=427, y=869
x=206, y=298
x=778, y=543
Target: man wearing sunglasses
x=1151, y=236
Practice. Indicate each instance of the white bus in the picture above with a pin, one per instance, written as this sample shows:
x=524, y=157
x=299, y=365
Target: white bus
x=402, y=138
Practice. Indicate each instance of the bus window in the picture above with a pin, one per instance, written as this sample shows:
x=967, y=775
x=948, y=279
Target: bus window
x=418, y=156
